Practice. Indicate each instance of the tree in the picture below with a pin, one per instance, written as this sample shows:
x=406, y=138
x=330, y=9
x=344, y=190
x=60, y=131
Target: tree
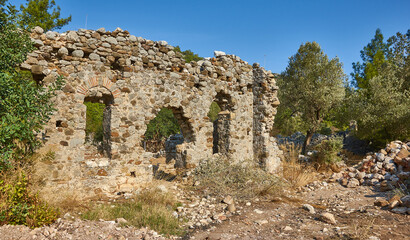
x=311, y=86
x=373, y=56
x=188, y=55
x=382, y=108
x=162, y=126
x=36, y=13
x=24, y=105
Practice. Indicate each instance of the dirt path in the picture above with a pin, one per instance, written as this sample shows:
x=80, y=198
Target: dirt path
x=284, y=218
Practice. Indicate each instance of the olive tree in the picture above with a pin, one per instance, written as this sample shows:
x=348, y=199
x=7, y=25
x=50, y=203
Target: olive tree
x=311, y=86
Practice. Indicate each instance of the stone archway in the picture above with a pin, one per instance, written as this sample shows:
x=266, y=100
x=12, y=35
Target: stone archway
x=101, y=91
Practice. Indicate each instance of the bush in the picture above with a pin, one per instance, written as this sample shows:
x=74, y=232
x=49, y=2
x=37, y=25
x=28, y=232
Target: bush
x=150, y=208
x=19, y=207
x=327, y=150
x=188, y=55
x=243, y=180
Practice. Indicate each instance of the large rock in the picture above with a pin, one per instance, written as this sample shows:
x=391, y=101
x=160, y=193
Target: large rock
x=72, y=36
x=62, y=52
x=78, y=53
x=51, y=35
x=111, y=40
x=353, y=182
x=405, y=201
x=328, y=218
x=403, y=153
x=38, y=30
x=94, y=57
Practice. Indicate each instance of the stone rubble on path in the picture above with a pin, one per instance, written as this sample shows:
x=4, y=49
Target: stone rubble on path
x=386, y=170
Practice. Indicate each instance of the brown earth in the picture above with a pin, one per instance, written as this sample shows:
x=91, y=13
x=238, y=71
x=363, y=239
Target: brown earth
x=265, y=218
x=283, y=218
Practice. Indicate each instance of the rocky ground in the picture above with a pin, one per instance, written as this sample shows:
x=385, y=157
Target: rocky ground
x=365, y=201
x=327, y=212
x=351, y=213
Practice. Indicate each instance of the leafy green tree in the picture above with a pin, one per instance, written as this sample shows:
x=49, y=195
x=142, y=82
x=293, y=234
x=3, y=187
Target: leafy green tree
x=373, y=56
x=14, y=43
x=24, y=105
x=382, y=109
x=37, y=13
x=311, y=86
x=162, y=126
x=188, y=55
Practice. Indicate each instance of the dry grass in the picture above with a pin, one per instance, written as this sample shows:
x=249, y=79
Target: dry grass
x=150, y=208
x=242, y=180
x=296, y=173
x=362, y=229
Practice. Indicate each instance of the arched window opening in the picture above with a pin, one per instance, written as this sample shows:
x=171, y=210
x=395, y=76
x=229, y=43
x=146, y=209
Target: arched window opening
x=167, y=130
x=220, y=115
x=98, y=122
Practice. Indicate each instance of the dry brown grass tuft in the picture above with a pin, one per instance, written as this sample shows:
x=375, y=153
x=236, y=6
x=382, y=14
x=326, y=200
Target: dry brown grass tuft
x=243, y=180
x=150, y=208
x=297, y=174
x=361, y=229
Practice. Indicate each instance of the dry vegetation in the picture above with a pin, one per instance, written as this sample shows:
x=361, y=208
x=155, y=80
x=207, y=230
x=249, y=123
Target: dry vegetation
x=296, y=173
x=242, y=180
x=151, y=208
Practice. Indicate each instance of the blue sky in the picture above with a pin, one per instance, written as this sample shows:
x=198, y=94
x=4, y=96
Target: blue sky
x=268, y=32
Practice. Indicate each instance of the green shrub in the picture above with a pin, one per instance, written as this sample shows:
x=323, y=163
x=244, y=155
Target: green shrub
x=20, y=207
x=188, y=55
x=328, y=150
x=94, y=123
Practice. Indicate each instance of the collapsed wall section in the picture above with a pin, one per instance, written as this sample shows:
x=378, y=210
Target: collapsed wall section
x=140, y=77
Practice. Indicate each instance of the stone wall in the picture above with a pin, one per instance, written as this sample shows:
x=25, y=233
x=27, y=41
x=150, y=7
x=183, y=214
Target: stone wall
x=135, y=78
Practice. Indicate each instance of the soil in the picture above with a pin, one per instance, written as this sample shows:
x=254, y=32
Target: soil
x=265, y=218
x=284, y=218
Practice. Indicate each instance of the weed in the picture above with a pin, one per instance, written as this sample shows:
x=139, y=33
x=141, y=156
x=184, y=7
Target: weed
x=150, y=208
x=20, y=207
x=296, y=173
x=242, y=180
x=328, y=150
x=362, y=229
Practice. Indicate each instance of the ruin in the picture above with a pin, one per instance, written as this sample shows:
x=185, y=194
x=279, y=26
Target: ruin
x=135, y=78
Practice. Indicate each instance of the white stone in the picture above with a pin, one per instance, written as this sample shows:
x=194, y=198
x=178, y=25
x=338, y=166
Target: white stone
x=219, y=53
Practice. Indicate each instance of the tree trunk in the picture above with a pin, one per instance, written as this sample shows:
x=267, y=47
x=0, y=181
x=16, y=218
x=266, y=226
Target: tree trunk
x=309, y=136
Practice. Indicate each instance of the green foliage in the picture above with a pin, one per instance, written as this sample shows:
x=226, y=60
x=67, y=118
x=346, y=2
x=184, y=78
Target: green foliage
x=382, y=107
x=311, y=86
x=213, y=111
x=188, y=55
x=94, y=122
x=149, y=209
x=24, y=108
x=15, y=43
x=24, y=105
x=373, y=57
x=162, y=126
x=328, y=150
x=288, y=122
x=19, y=207
x=37, y=13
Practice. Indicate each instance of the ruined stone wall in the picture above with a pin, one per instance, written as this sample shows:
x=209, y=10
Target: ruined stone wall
x=135, y=78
